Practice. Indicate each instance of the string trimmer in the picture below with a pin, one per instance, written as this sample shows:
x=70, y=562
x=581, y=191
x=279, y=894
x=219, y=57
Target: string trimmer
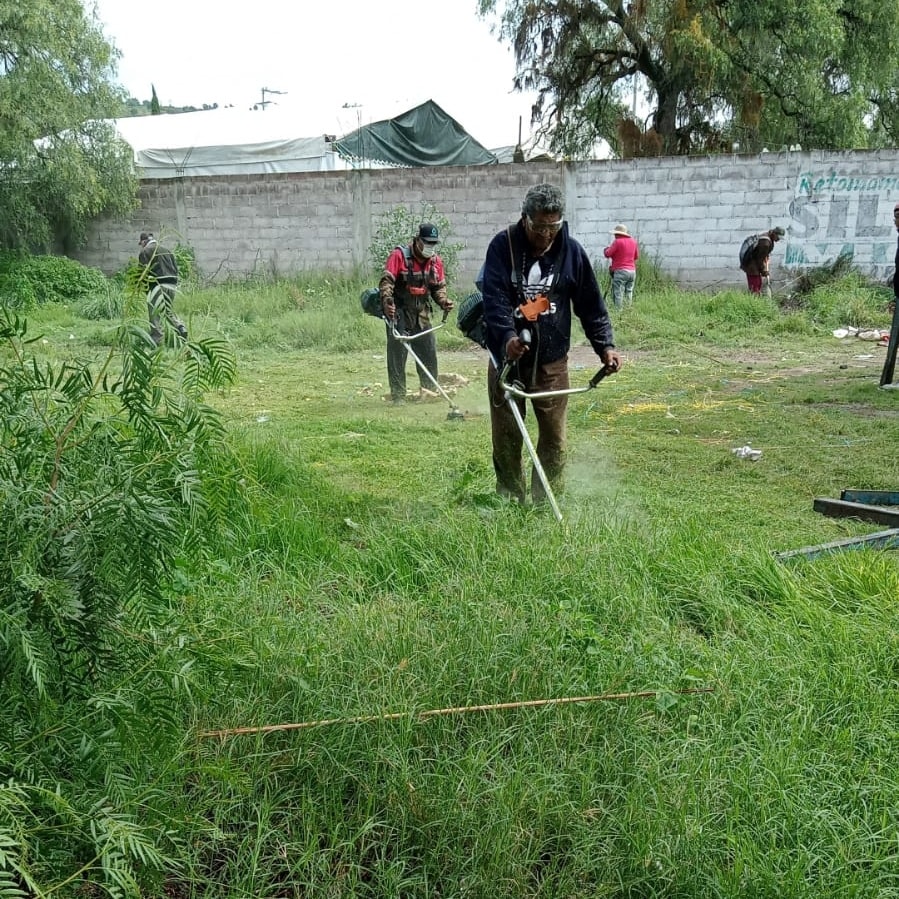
x=455, y=413
x=515, y=390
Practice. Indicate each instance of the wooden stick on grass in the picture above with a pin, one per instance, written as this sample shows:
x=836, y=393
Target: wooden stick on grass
x=453, y=710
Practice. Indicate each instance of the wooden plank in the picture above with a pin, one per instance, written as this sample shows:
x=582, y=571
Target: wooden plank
x=837, y=508
x=880, y=540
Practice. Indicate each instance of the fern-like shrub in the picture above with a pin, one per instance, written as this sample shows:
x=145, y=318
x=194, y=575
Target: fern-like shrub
x=107, y=477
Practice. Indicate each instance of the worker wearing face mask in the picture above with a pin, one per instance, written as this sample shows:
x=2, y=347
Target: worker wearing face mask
x=413, y=279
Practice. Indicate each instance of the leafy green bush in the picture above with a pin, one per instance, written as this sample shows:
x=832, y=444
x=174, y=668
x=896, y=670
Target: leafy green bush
x=16, y=289
x=398, y=226
x=26, y=280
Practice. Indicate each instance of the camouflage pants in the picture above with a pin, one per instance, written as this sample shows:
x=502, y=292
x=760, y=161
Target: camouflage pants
x=160, y=301
x=551, y=415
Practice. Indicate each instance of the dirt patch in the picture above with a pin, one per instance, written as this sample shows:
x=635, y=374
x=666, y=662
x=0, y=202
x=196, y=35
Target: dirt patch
x=832, y=361
x=828, y=360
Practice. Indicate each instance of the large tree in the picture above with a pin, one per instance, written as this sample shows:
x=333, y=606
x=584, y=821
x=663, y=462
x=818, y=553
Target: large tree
x=681, y=76
x=60, y=164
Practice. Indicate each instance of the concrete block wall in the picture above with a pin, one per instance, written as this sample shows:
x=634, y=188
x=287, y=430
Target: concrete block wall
x=689, y=214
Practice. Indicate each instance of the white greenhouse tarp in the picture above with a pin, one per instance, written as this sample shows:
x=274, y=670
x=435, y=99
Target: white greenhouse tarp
x=223, y=142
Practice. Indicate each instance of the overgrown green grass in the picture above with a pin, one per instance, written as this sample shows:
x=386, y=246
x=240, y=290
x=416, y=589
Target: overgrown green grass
x=377, y=574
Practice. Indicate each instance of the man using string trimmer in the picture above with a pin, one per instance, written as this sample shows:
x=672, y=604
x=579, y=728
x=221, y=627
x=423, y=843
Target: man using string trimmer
x=535, y=276
x=413, y=278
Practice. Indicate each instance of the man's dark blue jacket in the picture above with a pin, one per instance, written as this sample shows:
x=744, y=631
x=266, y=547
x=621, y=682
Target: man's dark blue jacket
x=574, y=289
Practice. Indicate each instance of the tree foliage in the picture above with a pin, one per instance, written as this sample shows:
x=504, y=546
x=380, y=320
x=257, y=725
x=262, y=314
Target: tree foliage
x=60, y=165
x=682, y=76
x=135, y=107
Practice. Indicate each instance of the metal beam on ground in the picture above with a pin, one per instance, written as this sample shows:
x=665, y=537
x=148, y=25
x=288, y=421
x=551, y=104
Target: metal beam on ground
x=871, y=497
x=838, y=508
x=881, y=506
x=880, y=540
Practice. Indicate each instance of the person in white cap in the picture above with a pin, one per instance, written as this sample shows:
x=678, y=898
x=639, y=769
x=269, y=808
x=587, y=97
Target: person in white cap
x=623, y=254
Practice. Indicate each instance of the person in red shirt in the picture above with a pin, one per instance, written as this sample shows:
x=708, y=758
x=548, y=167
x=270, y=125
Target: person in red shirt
x=623, y=253
x=413, y=278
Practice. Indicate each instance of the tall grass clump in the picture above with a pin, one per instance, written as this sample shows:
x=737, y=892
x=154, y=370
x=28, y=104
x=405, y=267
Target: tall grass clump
x=850, y=301
x=359, y=672
x=672, y=317
x=104, y=304
x=672, y=793
x=838, y=295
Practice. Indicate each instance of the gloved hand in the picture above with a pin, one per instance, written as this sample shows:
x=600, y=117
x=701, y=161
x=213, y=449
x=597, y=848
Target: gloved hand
x=389, y=308
x=447, y=305
x=515, y=348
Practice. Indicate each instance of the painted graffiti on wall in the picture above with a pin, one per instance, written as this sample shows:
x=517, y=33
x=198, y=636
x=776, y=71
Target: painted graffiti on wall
x=838, y=213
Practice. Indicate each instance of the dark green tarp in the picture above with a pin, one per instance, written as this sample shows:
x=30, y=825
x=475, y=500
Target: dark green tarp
x=425, y=135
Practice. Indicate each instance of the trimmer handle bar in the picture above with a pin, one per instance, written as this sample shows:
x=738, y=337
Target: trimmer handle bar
x=391, y=323
x=514, y=388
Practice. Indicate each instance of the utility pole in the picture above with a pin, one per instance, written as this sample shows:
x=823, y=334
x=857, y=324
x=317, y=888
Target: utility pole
x=263, y=103
x=518, y=152
x=358, y=108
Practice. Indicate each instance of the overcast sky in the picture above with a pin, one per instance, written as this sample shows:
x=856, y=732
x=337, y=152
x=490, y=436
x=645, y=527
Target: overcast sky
x=341, y=63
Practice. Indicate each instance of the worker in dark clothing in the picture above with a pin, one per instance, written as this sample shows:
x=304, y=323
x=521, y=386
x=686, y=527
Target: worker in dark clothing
x=889, y=365
x=535, y=276
x=161, y=270
x=756, y=261
x=413, y=278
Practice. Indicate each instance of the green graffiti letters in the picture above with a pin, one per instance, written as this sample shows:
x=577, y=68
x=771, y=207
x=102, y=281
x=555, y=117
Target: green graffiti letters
x=810, y=184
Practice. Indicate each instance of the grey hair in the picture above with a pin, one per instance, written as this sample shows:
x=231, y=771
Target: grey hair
x=543, y=198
